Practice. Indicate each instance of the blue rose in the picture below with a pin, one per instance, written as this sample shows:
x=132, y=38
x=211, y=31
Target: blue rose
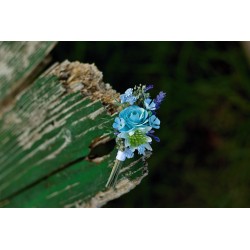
x=135, y=118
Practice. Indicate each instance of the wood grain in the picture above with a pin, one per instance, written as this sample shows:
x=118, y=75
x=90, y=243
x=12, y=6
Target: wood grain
x=20, y=62
x=46, y=138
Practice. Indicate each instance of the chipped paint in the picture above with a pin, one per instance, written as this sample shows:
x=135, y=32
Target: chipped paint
x=101, y=198
x=94, y=114
x=54, y=194
x=66, y=134
x=19, y=60
x=54, y=124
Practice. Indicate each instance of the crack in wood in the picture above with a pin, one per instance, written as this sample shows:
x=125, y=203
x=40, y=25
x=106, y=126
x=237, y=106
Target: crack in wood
x=31, y=185
x=100, y=148
x=60, y=121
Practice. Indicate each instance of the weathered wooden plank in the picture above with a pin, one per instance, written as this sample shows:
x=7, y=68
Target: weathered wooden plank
x=80, y=185
x=18, y=61
x=46, y=139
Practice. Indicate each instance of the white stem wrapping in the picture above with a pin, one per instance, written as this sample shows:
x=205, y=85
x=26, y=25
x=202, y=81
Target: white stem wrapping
x=120, y=156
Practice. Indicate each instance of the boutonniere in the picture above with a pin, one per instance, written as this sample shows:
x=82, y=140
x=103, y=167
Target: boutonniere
x=135, y=125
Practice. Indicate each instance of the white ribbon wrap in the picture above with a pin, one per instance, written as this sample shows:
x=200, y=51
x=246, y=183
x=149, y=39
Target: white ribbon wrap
x=120, y=156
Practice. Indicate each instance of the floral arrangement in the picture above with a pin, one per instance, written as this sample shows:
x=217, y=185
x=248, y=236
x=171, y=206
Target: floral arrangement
x=135, y=125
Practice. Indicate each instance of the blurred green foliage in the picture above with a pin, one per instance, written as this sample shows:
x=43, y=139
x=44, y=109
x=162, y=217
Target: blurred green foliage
x=204, y=155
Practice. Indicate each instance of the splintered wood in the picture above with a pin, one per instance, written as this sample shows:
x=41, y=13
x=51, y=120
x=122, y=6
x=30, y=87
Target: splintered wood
x=46, y=136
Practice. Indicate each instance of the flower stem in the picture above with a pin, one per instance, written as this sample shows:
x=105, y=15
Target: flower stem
x=114, y=174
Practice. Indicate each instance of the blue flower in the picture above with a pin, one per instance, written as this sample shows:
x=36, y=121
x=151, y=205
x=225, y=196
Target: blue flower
x=137, y=140
x=128, y=97
x=129, y=153
x=159, y=99
x=119, y=123
x=134, y=117
x=141, y=149
x=154, y=122
x=149, y=104
x=148, y=87
x=151, y=134
x=135, y=124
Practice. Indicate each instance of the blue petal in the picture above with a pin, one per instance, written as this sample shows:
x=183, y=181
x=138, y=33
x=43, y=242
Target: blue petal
x=154, y=122
x=123, y=98
x=128, y=97
x=149, y=104
x=148, y=87
x=141, y=149
x=129, y=153
x=115, y=125
x=156, y=138
x=147, y=146
x=119, y=123
x=159, y=99
x=132, y=100
x=117, y=120
x=129, y=91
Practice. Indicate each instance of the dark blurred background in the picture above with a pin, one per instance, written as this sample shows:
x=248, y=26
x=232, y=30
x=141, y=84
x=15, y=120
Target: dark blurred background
x=204, y=154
